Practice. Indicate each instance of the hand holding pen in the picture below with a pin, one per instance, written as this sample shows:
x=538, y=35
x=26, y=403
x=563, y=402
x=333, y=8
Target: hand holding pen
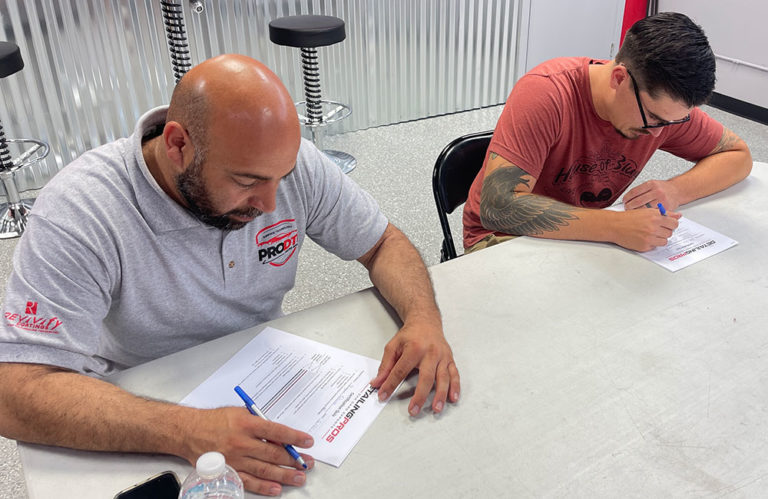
x=257, y=412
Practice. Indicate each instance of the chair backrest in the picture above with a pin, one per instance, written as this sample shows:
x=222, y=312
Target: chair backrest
x=455, y=170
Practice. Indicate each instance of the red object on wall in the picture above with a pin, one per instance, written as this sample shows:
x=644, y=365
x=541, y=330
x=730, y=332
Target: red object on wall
x=634, y=10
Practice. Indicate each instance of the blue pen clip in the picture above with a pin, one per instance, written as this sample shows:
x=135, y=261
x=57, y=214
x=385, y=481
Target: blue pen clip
x=662, y=210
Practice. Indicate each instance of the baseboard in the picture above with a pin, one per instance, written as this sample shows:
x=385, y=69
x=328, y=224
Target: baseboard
x=739, y=108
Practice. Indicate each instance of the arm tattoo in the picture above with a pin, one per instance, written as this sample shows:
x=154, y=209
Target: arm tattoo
x=727, y=141
x=503, y=210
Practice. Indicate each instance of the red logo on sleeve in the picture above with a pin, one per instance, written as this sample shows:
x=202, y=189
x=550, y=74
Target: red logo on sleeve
x=29, y=321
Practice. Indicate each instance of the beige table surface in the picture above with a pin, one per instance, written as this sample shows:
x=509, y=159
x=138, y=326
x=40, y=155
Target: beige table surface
x=587, y=371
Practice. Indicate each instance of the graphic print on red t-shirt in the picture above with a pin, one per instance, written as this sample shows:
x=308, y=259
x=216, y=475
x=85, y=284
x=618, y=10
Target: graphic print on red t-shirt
x=595, y=180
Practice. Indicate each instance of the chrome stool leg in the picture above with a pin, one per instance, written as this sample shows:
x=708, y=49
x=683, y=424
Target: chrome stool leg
x=318, y=113
x=14, y=213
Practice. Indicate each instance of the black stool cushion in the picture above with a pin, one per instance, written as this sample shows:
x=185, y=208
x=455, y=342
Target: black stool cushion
x=306, y=31
x=10, y=59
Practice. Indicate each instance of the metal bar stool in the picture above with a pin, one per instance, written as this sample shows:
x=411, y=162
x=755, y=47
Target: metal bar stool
x=13, y=214
x=308, y=33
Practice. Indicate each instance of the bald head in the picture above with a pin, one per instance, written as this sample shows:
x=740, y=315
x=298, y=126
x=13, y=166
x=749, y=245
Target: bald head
x=231, y=135
x=234, y=96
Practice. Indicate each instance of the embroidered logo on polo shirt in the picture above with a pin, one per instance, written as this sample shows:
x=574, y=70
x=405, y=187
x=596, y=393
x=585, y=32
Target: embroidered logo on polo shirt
x=277, y=242
x=29, y=321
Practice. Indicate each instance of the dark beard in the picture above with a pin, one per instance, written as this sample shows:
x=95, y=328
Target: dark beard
x=191, y=187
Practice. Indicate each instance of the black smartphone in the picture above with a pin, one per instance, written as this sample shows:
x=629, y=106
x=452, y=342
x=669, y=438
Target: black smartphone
x=164, y=485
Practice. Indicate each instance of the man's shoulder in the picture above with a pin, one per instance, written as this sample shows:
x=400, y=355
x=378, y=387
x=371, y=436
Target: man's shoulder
x=97, y=177
x=313, y=167
x=559, y=65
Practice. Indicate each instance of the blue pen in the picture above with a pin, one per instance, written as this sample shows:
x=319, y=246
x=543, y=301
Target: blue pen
x=662, y=210
x=256, y=412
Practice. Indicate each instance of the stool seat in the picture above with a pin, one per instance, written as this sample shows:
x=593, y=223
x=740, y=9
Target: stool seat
x=10, y=59
x=306, y=31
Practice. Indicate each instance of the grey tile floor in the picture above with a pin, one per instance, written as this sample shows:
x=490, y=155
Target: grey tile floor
x=395, y=165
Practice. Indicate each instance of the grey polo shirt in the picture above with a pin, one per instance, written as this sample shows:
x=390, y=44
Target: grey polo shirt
x=111, y=272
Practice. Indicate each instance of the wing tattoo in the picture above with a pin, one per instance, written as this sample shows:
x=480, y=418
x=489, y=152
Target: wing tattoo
x=503, y=210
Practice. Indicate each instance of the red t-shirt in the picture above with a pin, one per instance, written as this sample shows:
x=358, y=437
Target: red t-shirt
x=550, y=129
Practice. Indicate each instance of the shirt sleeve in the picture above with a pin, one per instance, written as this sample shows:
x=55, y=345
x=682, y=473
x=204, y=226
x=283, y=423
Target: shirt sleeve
x=341, y=216
x=695, y=139
x=55, y=301
x=529, y=124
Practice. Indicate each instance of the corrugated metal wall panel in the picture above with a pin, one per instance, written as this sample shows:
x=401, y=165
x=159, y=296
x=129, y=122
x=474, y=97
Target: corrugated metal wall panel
x=92, y=67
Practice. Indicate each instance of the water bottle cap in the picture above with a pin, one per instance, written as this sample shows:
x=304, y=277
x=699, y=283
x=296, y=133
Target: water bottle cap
x=210, y=464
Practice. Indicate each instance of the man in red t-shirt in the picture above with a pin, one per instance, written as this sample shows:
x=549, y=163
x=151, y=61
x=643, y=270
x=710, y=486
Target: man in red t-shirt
x=575, y=133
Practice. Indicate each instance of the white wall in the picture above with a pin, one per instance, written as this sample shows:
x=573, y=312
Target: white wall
x=738, y=30
x=559, y=28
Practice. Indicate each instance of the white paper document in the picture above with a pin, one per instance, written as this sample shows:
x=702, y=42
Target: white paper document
x=690, y=243
x=300, y=383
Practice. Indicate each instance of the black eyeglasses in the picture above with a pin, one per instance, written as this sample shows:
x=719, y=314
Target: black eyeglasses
x=642, y=113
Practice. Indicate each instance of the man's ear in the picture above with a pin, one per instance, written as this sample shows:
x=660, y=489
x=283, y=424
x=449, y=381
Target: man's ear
x=618, y=76
x=178, y=146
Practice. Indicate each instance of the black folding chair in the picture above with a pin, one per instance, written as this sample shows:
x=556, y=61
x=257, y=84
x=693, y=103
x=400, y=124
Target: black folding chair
x=455, y=170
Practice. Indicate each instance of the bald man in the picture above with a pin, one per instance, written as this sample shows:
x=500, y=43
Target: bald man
x=184, y=232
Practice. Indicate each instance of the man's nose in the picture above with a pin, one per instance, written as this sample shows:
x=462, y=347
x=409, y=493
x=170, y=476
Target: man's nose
x=265, y=198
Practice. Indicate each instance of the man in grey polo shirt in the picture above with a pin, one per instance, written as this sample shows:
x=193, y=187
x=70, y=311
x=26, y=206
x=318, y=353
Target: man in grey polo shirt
x=186, y=231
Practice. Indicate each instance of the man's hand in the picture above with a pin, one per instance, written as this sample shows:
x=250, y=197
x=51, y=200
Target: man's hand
x=421, y=347
x=645, y=228
x=86, y=413
x=252, y=446
x=650, y=193
x=397, y=271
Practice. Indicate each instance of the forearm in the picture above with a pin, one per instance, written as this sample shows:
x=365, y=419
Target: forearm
x=46, y=405
x=526, y=214
x=507, y=205
x=640, y=230
x=713, y=174
x=398, y=272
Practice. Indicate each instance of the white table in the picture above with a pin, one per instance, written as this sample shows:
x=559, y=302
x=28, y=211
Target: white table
x=586, y=371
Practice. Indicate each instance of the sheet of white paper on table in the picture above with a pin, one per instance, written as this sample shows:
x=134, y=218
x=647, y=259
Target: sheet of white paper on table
x=300, y=383
x=690, y=243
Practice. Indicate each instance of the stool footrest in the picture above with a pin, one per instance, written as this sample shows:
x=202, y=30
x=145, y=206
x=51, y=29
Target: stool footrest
x=32, y=151
x=331, y=113
x=13, y=214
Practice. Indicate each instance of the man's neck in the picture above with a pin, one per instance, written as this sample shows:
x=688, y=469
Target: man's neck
x=599, y=76
x=158, y=167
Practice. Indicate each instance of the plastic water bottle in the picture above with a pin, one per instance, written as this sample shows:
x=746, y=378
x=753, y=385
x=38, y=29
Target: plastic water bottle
x=212, y=479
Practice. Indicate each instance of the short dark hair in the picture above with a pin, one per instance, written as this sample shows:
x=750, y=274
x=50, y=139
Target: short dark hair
x=669, y=53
